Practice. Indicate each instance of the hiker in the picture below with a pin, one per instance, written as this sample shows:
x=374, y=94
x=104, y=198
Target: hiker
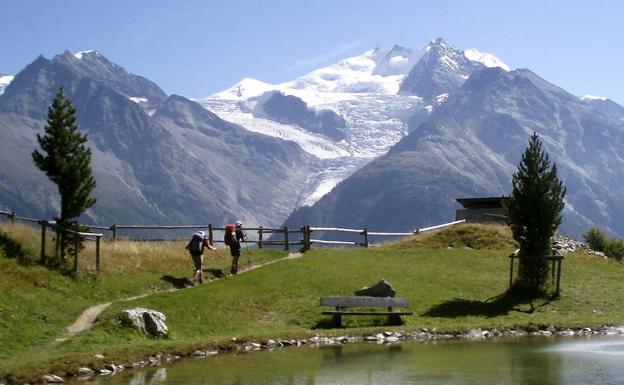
x=233, y=237
x=196, y=248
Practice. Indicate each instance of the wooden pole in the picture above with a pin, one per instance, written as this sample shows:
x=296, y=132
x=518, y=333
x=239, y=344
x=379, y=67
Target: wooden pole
x=210, y=233
x=308, y=234
x=286, y=243
x=13, y=217
x=260, y=237
x=558, y=276
x=97, y=254
x=43, y=241
x=365, y=233
x=114, y=230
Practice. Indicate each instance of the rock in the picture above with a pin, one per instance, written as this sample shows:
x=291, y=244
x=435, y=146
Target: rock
x=84, y=372
x=51, y=378
x=380, y=289
x=99, y=356
x=147, y=321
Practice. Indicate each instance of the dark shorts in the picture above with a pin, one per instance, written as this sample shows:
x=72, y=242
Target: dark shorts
x=235, y=251
x=198, y=260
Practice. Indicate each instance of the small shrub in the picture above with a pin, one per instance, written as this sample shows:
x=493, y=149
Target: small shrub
x=599, y=241
x=596, y=239
x=615, y=249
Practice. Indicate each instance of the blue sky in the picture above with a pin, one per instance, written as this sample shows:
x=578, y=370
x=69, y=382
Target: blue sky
x=196, y=48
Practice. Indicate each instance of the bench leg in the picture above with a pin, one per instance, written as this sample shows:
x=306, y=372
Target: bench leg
x=337, y=320
x=395, y=319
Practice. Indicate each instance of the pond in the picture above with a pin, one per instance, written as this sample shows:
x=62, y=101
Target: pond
x=526, y=361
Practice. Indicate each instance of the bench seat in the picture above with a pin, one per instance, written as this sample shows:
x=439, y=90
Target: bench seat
x=344, y=306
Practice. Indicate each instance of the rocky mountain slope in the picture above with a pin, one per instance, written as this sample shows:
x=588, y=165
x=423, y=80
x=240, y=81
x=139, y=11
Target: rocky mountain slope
x=397, y=133
x=363, y=91
x=156, y=159
x=471, y=145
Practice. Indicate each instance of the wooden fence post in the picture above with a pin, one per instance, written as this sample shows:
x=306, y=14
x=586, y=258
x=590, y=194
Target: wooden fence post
x=114, y=230
x=558, y=275
x=365, y=233
x=260, y=237
x=307, y=242
x=13, y=217
x=286, y=243
x=97, y=254
x=210, y=233
x=44, y=224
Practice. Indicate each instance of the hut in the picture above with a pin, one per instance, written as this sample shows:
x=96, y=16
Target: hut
x=486, y=209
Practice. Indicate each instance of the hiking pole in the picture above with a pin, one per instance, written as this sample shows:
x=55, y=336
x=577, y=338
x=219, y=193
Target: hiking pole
x=247, y=247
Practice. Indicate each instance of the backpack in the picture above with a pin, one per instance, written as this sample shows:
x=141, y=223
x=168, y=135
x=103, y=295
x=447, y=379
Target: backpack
x=195, y=245
x=228, y=238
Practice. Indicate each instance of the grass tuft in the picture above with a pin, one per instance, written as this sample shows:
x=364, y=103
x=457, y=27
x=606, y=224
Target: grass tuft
x=472, y=236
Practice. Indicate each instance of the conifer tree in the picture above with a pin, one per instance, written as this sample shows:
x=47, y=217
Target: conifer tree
x=66, y=160
x=534, y=212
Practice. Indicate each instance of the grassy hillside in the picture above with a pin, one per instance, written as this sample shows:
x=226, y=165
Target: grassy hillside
x=453, y=280
x=37, y=303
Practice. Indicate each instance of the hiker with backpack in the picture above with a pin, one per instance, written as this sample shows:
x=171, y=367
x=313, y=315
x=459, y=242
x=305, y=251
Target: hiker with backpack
x=196, y=248
x=232, y=238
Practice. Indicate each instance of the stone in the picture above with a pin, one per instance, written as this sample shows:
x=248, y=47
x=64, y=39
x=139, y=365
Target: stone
x=51, y=378
x=380, y=289
x=85, y=372
x=147, y=321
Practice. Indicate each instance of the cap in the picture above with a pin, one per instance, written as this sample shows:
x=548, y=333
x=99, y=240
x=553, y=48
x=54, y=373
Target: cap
x=238, y=224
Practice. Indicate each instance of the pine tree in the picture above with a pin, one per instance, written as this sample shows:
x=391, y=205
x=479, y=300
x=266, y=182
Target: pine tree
x=534, y=212
x=66, y=160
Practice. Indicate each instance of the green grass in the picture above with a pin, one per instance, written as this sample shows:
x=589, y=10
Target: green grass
x=455, y=288
x=38, y=303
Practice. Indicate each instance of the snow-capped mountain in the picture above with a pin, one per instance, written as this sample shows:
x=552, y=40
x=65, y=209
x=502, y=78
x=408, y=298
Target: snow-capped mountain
x=471, y=145
x=441, y=70
x=156, y=158
x=4, y=82
x=364, y=91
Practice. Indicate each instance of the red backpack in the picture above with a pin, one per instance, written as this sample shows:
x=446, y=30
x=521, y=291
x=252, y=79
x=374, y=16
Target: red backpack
x=228, y=238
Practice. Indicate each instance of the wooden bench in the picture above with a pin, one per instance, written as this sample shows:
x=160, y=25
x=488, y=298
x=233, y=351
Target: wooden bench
x=345, y=305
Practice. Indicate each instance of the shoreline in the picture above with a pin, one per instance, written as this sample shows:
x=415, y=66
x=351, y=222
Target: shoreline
x=109, y=366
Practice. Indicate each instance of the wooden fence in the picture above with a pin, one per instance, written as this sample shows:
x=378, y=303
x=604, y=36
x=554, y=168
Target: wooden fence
x=301, y=236
x=59, y=233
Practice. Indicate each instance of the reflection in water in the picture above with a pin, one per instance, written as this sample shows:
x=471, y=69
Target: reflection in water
x=525, y=361
x=143, y=377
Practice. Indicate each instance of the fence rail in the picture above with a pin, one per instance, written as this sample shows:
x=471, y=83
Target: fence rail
x=305, y=239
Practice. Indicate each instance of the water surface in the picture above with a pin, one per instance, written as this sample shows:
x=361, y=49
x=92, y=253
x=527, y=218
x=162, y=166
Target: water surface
x=526, y=361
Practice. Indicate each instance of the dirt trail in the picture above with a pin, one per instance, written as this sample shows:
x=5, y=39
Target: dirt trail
x=88, y=317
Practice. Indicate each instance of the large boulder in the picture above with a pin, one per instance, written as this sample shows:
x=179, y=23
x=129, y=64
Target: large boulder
x=380, y=289
x=147, y=321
